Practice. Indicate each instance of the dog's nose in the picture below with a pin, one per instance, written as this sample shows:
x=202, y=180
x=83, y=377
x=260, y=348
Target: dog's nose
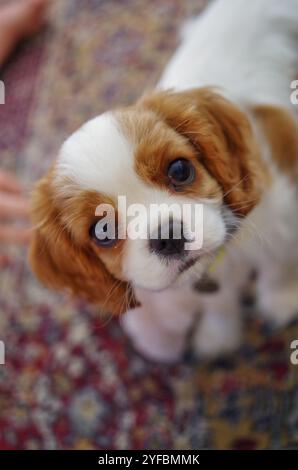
x=168, y=242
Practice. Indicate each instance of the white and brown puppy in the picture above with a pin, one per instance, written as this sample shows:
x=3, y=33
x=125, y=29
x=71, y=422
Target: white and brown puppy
x=233, y=148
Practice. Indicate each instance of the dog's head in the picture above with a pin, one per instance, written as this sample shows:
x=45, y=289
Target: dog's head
x=181, y=148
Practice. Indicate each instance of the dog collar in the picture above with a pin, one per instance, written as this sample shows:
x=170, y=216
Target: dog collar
x=218, y=257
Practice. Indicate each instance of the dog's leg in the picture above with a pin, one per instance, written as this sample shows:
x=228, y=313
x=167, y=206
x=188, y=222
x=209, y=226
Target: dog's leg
x=158, y=328
x=277, y=258
x=220, y=327
x=278, y=292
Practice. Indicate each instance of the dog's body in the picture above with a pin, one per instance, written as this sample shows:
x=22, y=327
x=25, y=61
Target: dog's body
x=247, y=147
x=244, y=49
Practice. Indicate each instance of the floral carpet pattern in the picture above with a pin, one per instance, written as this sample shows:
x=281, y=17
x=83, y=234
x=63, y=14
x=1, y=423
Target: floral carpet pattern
x=72, y=380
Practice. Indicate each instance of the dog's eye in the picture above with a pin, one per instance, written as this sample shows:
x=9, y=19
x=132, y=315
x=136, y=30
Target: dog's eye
x=102, y=234
x=181, y=172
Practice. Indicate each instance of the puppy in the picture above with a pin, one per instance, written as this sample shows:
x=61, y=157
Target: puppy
x=219, y=131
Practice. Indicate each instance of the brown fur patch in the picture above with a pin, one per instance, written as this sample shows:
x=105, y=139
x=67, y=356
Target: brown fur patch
x=221, y=137
x=280, y=129
x=62, y=254
x=156, y=146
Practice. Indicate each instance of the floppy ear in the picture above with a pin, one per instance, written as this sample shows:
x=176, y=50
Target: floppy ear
x=280, y=128
x=222, y=136
x=60, y=263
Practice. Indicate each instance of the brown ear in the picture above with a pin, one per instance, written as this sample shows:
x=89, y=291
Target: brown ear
x=222, y=136
x=280, y=129
x=62, y=264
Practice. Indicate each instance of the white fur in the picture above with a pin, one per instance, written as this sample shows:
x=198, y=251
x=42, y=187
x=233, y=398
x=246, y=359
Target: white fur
x=98, y=157
x=158, y=328
x=246, y=48
x=249, y=50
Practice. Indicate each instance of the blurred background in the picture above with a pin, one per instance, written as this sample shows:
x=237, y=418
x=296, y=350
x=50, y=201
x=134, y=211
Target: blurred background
x=72, y=380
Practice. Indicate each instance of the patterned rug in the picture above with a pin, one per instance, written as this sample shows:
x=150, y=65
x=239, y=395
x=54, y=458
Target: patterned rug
x=71, y=382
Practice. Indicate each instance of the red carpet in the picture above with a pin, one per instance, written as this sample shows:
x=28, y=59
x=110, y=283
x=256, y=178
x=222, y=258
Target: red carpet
x=69, y=381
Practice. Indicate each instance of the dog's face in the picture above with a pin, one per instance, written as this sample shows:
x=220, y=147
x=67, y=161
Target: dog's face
x=184, y=148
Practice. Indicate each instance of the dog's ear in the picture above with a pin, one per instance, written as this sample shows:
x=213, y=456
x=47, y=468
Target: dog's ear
x=280, y=129
x=223, y=139
x=60, y=263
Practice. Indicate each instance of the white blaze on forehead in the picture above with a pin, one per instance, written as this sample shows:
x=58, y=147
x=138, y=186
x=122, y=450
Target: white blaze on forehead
x=98, y=157
x=101, y=158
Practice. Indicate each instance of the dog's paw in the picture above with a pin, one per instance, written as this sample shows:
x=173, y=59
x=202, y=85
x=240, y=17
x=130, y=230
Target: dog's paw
x=217, y=335
x=150, y=339
x=279, y=306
